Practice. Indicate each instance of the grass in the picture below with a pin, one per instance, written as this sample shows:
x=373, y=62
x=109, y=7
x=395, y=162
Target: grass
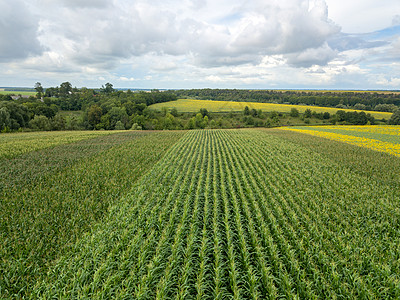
x=244, y=214
x=192, y=105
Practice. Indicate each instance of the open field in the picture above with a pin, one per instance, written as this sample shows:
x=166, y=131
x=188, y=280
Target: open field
x=380, y=138
x=24, y=93
x=207, y=214
x=192, y=105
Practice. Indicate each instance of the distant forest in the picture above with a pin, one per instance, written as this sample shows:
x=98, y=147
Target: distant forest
x=68, y=108
x=372, y=101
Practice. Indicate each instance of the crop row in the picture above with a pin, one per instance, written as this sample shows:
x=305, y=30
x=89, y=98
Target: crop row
x=14, y=144
x=61, y=194
x=240, y=214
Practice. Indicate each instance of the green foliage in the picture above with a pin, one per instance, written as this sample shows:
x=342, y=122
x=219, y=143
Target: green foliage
x=94, y=115
x=39, y=90
x=107, y=89
x=395, y=118
x=243, y=214
x=58, y=123
x=136, y=126
x=307, y=113
x=294, y=113
x=354, y=118
x=174, y=112
x=204, y=112
x=5, y=121
x=119, y=126
x=378, y=101
x=40, y=123
x=118, y=114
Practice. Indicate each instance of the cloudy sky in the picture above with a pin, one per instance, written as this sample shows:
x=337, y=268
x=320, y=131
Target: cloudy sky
x=270, y=44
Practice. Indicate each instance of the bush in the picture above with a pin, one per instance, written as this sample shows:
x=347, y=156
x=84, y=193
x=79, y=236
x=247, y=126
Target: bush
x=135, y=126
x=294, y=113
x=119, y=126
x=40, y=123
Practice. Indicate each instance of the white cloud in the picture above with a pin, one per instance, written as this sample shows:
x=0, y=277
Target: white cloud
x=391, y=82
x=198, y=42
x=312, y=56
x=123, y=78
x=18, y=31
x=361, y=16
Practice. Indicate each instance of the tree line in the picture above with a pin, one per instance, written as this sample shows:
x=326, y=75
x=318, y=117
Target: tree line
x=103, y=108
x=372, y=101
x=68, y=108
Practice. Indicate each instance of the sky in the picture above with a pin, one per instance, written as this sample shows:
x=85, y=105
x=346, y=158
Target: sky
x=173, y=44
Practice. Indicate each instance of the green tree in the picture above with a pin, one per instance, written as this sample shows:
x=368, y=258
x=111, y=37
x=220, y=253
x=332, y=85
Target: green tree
x=119, y=126
x=326, y=115
x=204, y=112
x=205, y=119
x=94, y=115
x=395, y=118
x=58, y=122
x=294, y=112
x=107, y=89
x=199, y=121
x=191, y=124
x=118, y=114
x=39, y=90
x=307, y=113
x=65, y=89
x=5, y=121
x=135, y=126
x=174, y=112
x=45, y=110
x=246, y=111
x=340, y=115
x=19, y=114
x=40, y=123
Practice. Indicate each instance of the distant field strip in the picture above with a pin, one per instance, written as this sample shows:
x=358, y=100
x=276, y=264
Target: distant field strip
x=379, y=138
x=24, y=93
x=239, y=214
x=13, y=144
x=192, y=105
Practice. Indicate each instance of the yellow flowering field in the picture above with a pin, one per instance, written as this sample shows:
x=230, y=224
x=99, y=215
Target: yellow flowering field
x=13, y=144
x=193, y=105
x=379, y=138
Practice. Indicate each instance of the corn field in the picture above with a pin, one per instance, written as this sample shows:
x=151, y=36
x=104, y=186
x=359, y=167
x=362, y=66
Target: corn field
x=243, y=214
x=51, y=197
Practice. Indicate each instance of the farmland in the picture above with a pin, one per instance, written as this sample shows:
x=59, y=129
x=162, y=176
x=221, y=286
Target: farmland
x=23, y=93
x=17, y=143
x=207, y=214
x=192, y=105
x=380, y=138
x=50, y=197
